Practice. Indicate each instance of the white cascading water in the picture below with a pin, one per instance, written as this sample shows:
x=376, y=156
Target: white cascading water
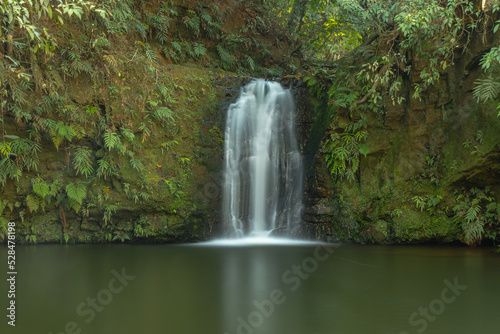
x=263, y=165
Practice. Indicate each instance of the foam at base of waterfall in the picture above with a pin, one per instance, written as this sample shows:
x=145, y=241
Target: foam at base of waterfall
x=257, y=241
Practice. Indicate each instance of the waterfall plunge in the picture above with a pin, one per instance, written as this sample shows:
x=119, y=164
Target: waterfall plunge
x=263, y=166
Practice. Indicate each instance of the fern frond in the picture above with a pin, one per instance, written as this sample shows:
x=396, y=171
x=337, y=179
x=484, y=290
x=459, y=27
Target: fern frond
x=199, y=49
x=151, y=55
x=32, y=202
x=250, y=62
x=192, y=23
x=226, y=57
x=83, y=161
x=176, y=46
x=40, y=187
x=76, y=192
x=189, y=49
x=136, y=164
x=111, y=140
x=472, y=213
x=486, y=89
x=103, y=168
x=127, y=133
x=164, y=113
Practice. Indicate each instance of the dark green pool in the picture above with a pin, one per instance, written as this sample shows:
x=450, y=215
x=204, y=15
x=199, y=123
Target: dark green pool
x=255, y=289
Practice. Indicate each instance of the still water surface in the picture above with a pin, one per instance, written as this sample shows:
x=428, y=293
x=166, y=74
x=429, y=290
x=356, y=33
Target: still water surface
x=303, y=289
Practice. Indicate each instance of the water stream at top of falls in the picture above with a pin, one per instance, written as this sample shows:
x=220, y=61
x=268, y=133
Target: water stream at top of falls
x=263, y=165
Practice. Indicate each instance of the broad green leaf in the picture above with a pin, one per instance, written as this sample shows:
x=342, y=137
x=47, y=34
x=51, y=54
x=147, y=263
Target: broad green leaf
x=364, y=149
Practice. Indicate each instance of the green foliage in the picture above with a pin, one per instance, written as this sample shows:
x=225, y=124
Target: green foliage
x=120, y=235
x=139, y=231
x=477, y=214
x=160, y=23
x=109, y=209
x=138, y=196
x=111, y=140
x=17, y=155
x=83, y=161
x=429, y=31
x=136, y=164
x=343, y=149
x=161, y=113
x=396, y=212
x=40, y=187
x=226, y=57
x=31, y=237
x=74, y=64
x=491, y=60
x=106, y=167
x=28, y=16
x=76, y=194
x=26, y=152
x=431, y=171
x=199, y=50
x=429, y=203
x=327, y=29
x=192, y=22
x=33, y=203
x=3, y=228
x=486, y=89
x=43, y=191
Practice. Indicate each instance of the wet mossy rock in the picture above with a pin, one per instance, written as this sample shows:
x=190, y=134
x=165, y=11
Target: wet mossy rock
x=176, y=195
x=425, y=156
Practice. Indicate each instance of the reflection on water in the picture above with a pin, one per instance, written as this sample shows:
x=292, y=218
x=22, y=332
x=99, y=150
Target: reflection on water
x=256, y=289
x=257, y=286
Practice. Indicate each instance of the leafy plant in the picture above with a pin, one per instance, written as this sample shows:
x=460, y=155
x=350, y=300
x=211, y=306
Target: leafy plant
x=199, y=49
x=109, y=209
x=429, y=203
x=136, y=164
x=120, y=235
x=192, y=22
x=106, y=167
x=31, y=237
x=33, y=203
x=76, y=194
x=138, y=231
x=111, y=140
x=83, y=161
x=3, y=227
x=486, y=89
x=40, y=187
x=396, y=212
x=108, y=237
x=226, y=57
x=343, y=149
x=477, y=213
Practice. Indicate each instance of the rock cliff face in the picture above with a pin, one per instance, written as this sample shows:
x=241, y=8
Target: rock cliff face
x=415, y=150
x=428, y=161
x=170, y=199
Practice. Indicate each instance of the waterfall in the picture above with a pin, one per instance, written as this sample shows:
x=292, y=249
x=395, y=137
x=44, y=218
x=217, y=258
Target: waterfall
x=263, y=165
